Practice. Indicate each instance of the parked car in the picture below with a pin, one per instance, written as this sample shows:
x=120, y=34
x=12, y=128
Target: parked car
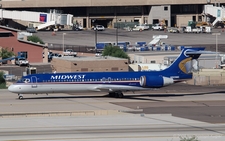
x=173, y=30
x=99, y=28
x=53, y=55
x=77, y=27
x=157, y=27
x=140, y=27
x=69, y=52
x=21, y=62
x=31, y=30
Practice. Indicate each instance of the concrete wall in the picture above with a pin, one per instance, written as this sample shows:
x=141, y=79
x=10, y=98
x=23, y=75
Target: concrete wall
x=147, y=59
x=158, y=12
x=208, y=77
x=182, y=20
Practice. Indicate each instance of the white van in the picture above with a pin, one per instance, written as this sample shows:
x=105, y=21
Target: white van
x=21, y=61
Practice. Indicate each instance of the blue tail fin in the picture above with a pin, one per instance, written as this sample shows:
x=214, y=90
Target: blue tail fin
x=182, y=66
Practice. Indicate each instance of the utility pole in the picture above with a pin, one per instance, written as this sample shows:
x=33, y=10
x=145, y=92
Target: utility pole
x=63, y=41
x=216, y=34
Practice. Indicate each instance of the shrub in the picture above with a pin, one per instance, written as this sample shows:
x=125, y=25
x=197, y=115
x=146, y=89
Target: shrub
x=4, y=53
x=192, y=138
x=35, y=39
x=114, y=51
x=2, y=81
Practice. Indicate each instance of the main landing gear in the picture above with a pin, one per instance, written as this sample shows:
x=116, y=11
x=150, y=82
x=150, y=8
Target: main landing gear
x=116, y=94
x=20, y=96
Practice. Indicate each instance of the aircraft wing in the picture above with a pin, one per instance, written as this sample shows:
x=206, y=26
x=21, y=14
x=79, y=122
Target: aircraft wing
x=112, y=88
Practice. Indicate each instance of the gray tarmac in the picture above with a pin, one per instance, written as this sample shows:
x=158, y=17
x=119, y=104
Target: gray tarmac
x=87, y=37
x=158, y=101
x=166, y=114
x=124, y=127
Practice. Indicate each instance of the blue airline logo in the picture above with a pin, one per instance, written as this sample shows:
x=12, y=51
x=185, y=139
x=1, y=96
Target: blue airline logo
x=82, y=76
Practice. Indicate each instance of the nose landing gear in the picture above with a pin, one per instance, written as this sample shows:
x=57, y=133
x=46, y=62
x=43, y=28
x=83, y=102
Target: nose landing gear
x=20, y=96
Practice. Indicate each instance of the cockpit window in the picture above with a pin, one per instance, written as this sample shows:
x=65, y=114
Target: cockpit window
x=26, y=80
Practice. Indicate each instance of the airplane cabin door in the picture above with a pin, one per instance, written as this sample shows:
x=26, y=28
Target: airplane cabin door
x=109, y=79
x=34, y=82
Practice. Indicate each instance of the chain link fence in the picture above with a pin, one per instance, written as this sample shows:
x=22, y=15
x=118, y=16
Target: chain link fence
x=207, y=80
x=76, y=48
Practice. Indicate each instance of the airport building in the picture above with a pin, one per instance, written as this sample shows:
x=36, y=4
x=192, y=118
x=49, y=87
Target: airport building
x=109, y=13
x=158, y=60
x=89, y=64
x=14, y=40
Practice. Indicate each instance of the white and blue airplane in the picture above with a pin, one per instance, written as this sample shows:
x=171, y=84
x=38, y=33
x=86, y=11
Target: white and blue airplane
x=114, y=83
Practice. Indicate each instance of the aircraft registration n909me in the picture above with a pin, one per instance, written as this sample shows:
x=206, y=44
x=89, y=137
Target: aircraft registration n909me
x=114, y=83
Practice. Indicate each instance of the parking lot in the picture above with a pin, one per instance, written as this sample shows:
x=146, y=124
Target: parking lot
x=88, y=37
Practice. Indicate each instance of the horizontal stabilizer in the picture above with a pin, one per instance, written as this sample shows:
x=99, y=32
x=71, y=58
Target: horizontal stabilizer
x=199, y=52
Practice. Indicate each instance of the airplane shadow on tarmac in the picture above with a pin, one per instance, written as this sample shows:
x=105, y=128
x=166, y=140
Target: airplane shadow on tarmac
x=145, y=96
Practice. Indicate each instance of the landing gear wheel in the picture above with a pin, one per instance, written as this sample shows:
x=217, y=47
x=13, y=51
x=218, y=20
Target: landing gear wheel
x=111, y=94
x=20, y=96
x=119, y=95
x=116, y=94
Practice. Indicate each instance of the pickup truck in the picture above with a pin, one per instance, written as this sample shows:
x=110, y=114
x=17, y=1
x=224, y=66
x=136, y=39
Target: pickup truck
x=140, y=27
x=157, y=27
x=21, y=61
x=99, y=28
x=69, y=52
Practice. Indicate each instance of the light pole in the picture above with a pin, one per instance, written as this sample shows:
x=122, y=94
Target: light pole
x=116, y=31
x=216, y=34
x=63, y=41
x=96, y=34
x=116, y=26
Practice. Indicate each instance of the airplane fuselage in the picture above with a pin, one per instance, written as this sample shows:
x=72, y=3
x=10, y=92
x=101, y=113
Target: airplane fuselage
x=80, y=82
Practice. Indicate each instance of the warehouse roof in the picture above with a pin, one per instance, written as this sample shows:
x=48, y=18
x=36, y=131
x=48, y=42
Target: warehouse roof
x=89, y=58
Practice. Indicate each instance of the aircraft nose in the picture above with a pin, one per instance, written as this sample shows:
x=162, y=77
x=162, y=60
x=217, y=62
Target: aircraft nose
x=12, y=88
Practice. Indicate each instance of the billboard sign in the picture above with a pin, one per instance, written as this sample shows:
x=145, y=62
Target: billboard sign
x=43, y=18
